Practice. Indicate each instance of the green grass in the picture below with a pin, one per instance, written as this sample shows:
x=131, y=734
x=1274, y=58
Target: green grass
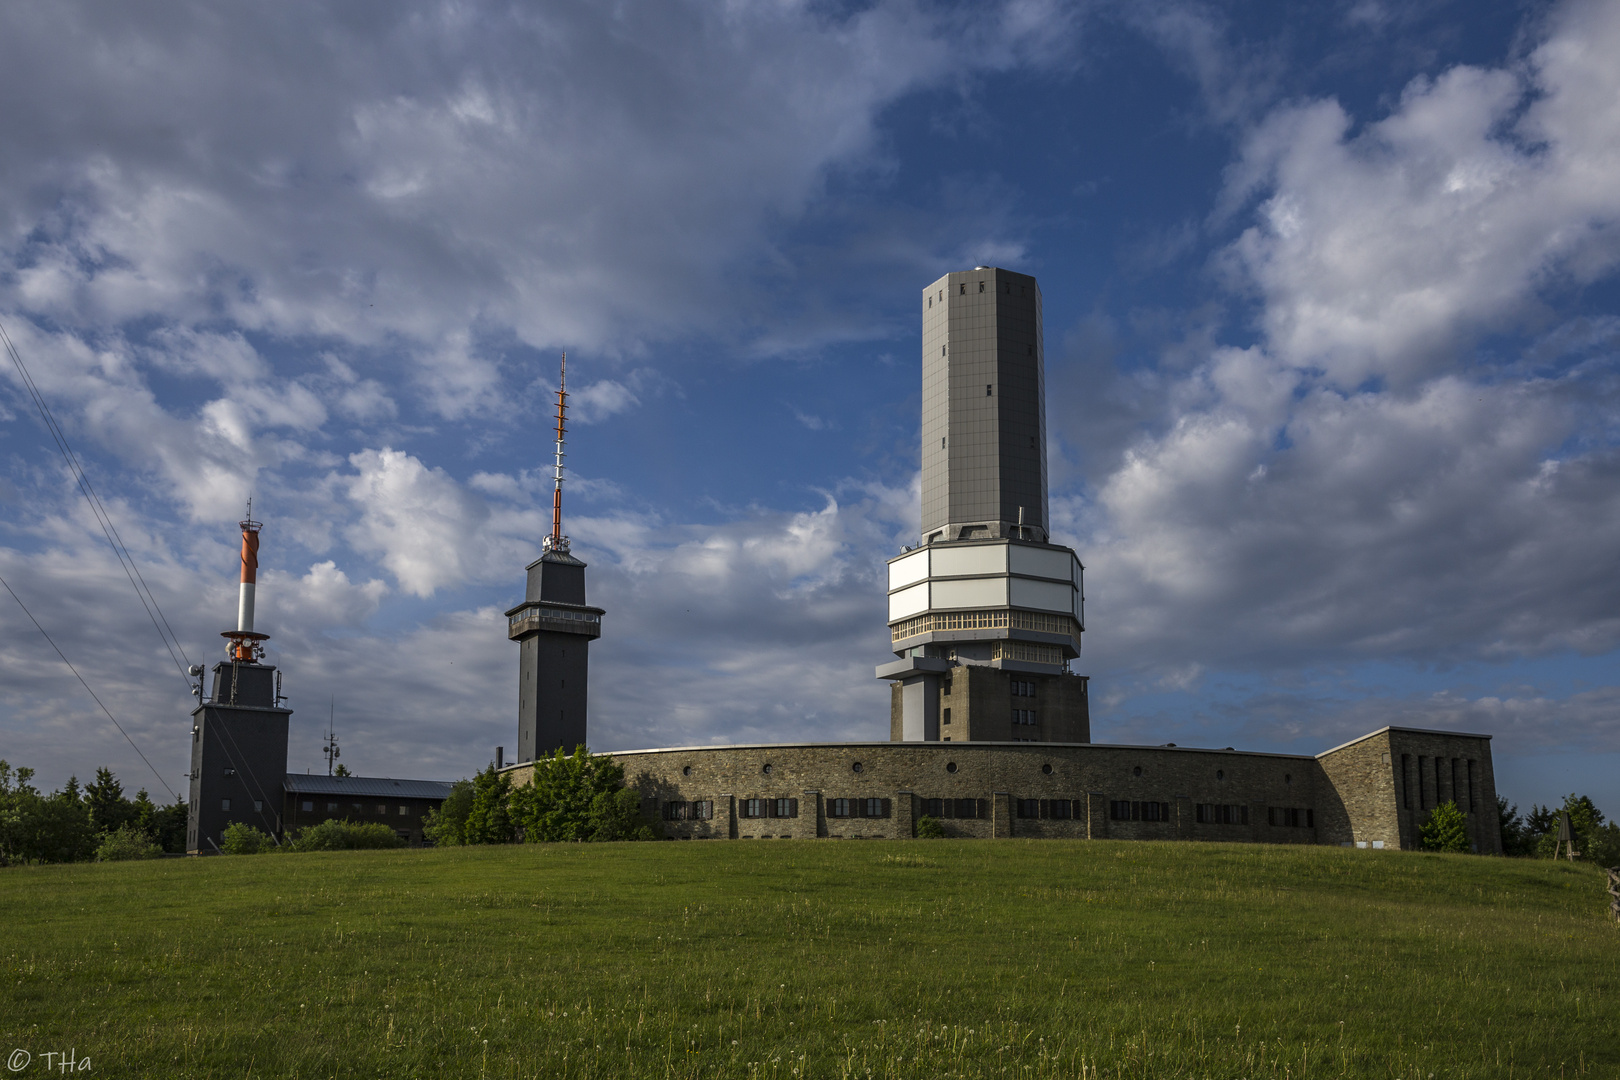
x=800, y=959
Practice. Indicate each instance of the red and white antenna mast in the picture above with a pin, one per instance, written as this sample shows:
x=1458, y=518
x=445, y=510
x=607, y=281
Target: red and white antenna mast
x=557, y=541
x=244, y=643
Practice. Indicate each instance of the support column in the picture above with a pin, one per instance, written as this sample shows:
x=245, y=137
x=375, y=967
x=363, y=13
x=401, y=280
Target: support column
x=1096, y=816
x=905, y=815
x=804, y=826
x=1001, y=826
x=919, y=708
x=728, y=806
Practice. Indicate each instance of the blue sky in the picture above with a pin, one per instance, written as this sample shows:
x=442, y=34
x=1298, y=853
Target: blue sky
x=1331, y=320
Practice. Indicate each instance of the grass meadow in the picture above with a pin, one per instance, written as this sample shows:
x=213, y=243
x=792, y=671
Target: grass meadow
x=802, y=959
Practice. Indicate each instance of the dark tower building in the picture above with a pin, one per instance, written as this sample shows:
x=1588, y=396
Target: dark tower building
x=239, y=731
x=554, y=627
x=986, y=614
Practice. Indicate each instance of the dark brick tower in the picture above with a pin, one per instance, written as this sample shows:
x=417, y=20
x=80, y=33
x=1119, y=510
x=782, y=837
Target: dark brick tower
x=554, y=628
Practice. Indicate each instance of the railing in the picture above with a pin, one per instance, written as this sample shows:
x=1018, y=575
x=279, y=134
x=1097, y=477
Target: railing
x=993, y=619
x=591, y=619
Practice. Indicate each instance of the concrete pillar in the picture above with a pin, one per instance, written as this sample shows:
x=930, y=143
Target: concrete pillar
x=919, y=708
x=1001, y=808
x=1184, y=817
x=1096, y=816
x=905, y=815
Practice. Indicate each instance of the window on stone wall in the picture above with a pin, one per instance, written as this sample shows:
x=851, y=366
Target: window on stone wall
x=1121, y=810
x=968, y=808
x=1289, y=817
x=703, y=809
x=1029, y=808
x=933, y=808
x=946, y=718
x=838, y=808
x=1406, y=781
x=675, y=811
x=785, y=808
x=1218, y=814
x=875, y=808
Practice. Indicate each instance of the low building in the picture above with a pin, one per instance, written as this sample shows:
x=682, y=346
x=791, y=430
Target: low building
x=402, y=805
x=1372, y=792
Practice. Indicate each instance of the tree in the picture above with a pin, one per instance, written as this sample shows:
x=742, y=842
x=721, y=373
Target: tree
x=109, y=810
x=19, y=806
x=445, y=825
x=1516, y=837
x=168, y=826
x=489, y=818
x=1585, y=820
x=1446, y=829
x=580, y=796
x=342, y=770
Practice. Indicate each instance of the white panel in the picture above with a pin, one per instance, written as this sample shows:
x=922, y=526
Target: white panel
x=1042, y=595
x=908, y=602
x=913, y=567
x=971, y=593
x=976, y=559
x=1040, y=562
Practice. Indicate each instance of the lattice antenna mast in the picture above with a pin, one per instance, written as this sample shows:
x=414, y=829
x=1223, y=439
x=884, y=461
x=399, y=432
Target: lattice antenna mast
x=557, y=541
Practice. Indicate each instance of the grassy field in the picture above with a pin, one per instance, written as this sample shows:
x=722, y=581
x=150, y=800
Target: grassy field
x=804, y=959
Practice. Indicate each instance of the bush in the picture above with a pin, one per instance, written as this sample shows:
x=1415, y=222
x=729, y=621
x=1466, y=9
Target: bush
x=334, y=835
x=1446, y=829
x=127, y=842
x=929, y=829
x=447, y=825
x=240, y=838
x=580, y=796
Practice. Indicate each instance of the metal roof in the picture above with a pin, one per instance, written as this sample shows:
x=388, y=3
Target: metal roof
x=368, y=786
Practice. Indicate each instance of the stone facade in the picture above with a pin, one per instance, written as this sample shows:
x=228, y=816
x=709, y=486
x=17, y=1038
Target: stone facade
x=978, y=703
x=1352, y=795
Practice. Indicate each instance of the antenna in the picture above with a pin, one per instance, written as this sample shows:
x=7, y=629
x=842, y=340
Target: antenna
x=331, y=749
x=244, y=643
x=557, y=541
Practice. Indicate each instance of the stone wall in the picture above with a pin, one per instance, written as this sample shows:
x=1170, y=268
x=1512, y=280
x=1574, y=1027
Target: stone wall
x=979, y=703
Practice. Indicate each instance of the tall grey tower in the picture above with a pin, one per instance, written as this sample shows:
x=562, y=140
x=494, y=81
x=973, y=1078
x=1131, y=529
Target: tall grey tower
x=986, y=614
x=553, y=628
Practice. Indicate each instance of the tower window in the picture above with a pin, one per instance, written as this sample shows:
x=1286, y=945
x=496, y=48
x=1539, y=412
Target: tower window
x=942, y=350
x=946, y=718
x=963, y=289
x=930, y=301
x=942, y=442
x=225, y=804
x=981, y=286
x=987, y=391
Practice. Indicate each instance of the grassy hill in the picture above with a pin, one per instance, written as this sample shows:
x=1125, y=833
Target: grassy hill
x=801, y=959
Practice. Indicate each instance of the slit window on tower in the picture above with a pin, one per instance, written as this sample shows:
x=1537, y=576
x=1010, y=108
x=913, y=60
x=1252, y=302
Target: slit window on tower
x=987, y=390
x=981, y=286
x=962, y=289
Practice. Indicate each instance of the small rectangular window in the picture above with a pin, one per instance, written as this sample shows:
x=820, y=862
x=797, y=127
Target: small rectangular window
x=981, y=286
x=404, y=811
x=381, y=809
x=331, y=807
x=838, y=808
x=1061, y=809
x=703, y=809
x=258, y=807
x=306, y=805
x=934, y=808
x=987, y=391
x=1119, y=810
x=754, y=808
x=946, y=718
x=874, y=808
x=967, y=808
x=962, y=289
x=1029, y=808
x=785, y=808
x=224, y=804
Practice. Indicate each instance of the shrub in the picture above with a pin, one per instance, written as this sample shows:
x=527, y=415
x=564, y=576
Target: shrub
x=335, y=835
x=127, y=842
x=580, y=796
x=446, y=826
x=240, y=838
x=1446, y=829
x=929, y=829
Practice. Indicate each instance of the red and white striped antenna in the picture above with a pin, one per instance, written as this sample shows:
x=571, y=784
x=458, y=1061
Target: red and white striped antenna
x=557, y=541
x=244, y=642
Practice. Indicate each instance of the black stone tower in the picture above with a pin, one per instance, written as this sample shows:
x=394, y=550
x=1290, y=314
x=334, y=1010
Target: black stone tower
x=554, y=627
x=239, y=731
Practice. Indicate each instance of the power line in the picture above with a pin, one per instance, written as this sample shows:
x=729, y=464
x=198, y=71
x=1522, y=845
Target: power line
x=86, y=686
x=126, y=561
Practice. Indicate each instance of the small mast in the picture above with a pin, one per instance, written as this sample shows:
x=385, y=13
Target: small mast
x=244, y=643
x=557, y=541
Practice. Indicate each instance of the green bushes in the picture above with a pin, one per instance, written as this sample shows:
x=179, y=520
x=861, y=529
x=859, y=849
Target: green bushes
x=929, y=828
x=334, y=835
x=1446, y=829
x=574, y=797
x=240, y=838
x=127, y=842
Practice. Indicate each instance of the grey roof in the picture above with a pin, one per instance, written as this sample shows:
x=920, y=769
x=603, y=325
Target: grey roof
x=368, y=786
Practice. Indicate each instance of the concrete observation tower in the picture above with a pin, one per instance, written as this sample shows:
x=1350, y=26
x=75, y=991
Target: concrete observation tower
x=986, y=614
x=553, y=628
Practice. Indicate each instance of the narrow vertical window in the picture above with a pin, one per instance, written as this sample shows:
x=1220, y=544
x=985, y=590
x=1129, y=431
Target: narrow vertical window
x=987, y=391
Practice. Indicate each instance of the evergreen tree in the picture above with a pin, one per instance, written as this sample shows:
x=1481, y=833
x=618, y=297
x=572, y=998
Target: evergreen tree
x=1517, y=839
x=446, y=825
x=109, y=810
x=1446, y=829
